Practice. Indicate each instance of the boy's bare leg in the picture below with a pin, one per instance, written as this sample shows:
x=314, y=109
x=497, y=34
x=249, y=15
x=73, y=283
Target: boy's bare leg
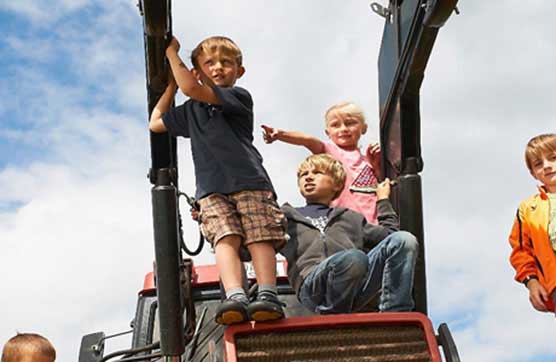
x=264, y=262
x=228, y=262
x=233, y=309
x=266, y=307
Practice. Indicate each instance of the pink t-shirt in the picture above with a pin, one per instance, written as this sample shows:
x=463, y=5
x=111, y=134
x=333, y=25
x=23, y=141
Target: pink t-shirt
x=357, y=168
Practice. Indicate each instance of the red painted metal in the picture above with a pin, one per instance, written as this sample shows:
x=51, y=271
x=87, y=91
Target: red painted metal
x=332, y=321
x=208, y=275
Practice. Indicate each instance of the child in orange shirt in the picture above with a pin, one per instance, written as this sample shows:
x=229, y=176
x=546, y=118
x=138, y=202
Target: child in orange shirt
x=533, y=236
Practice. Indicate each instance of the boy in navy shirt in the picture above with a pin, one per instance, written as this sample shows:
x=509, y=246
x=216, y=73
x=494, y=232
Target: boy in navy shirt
x=236, y=197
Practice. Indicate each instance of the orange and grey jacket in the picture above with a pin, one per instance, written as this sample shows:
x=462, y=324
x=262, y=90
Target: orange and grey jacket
x=532, y=252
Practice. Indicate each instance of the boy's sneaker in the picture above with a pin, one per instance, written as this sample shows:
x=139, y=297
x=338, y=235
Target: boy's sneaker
x=266, y=307
x=231, y=311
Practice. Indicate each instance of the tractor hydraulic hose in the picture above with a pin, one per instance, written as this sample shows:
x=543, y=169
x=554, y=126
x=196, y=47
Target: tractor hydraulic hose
x=194, y=206
x=131, y=352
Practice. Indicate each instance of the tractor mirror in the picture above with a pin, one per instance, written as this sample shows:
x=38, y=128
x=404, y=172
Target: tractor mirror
x=92, y=347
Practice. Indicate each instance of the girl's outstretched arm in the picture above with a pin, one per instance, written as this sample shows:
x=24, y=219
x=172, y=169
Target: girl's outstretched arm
x=313, y=144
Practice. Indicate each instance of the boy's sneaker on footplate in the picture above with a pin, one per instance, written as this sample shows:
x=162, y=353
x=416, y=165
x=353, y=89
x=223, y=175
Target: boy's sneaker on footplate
x=266, y=307
x=231, y=311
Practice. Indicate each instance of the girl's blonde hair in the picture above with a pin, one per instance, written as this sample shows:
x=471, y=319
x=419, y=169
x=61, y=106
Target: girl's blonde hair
x=326, y=164
x=346, y=107
x=538, y=147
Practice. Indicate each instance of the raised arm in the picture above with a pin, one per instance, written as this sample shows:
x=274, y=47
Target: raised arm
x=313, y=144
x=185, y=79
x=162, y=106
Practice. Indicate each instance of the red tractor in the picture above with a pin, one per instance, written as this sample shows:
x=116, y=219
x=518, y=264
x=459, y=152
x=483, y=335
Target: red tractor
x=174, y=320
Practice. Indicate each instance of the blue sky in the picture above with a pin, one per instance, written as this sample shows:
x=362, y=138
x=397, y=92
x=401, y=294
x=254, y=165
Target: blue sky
x=75, y=226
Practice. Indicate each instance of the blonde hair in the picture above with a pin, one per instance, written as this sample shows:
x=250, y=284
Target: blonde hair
x=215, y=44
x=346, y=107
x=23, y=346
x=326, y=164
x=538, y=147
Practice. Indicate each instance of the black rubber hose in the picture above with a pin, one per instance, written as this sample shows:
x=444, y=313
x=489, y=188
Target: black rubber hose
x=193, y=203
x=131, y=351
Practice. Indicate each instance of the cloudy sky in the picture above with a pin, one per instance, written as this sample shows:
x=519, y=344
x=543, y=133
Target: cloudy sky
x=75, y=216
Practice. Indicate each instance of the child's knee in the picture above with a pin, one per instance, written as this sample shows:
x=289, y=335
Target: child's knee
x=406, y=241
x=356, y=262
x=231, y=241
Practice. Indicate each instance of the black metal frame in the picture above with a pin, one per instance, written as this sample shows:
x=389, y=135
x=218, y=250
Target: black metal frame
x=157, y=30
x=409, y=34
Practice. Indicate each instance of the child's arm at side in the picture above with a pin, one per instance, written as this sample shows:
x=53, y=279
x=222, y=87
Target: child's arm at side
x=162, y=106
x=537, y=295
x=185, y=79
x=313, y=144
x=524, y=262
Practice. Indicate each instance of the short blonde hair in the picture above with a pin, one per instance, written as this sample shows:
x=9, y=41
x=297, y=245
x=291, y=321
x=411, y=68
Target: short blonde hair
x=214, y=44
x=326, y=164
x=538, y=147
x=26, y=345
x=348, y=108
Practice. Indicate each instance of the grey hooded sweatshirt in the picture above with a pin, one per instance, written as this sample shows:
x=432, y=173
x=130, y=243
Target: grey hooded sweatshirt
x=346, y=229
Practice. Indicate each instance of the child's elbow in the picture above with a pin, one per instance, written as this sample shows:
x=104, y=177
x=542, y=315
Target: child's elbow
x=157, y=126
x=192, y=91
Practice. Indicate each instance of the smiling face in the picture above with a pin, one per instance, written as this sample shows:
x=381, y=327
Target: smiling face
x=344, y=129
x=218, y=68
x=544, y=170
x=540, y=156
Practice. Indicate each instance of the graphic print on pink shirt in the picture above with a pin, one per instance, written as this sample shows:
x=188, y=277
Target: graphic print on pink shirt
x=355, y=165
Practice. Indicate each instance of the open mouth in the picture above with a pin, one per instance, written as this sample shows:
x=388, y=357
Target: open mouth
x=309, y=187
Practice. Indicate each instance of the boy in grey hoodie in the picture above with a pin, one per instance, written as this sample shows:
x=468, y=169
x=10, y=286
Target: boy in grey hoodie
x=336, y=260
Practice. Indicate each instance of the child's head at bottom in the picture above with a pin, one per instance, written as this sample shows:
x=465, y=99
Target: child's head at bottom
x=540, y=157
x=345, y=124
x=320, y=178
x=28, y=347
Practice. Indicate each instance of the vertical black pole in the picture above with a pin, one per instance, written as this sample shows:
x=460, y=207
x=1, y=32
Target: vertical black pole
x=167, y=255
x=411, y=219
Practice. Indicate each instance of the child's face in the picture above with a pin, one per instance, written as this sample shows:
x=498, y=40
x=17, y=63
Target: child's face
x=317, y=186
x=218, y=69
x=344, y=130
x=544, y=170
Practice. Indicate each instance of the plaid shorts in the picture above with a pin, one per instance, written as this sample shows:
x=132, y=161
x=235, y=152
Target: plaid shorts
x=253, y=215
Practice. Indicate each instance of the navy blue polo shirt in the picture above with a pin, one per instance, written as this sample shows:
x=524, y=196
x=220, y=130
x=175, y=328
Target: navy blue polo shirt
x=221, y=136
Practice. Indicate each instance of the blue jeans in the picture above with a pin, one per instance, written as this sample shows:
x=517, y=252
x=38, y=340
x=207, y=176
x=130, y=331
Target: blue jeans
x=346, y=281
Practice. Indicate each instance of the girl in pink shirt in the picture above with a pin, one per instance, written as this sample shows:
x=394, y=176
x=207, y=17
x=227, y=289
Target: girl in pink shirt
x=345, y=124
